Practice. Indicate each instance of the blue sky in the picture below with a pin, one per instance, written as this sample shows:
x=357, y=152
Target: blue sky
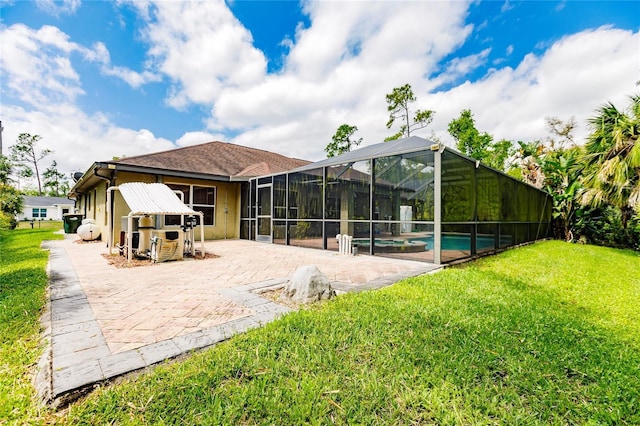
x=101, y=79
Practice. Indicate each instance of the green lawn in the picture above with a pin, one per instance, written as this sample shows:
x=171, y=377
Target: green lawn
x=23, y=281
x=548, y=333
x=544, y=334
x=40, y=224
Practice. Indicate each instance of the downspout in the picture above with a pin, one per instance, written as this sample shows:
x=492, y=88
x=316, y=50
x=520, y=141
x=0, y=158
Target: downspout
x=226, y=211
x=193, y=245
x=109, y=217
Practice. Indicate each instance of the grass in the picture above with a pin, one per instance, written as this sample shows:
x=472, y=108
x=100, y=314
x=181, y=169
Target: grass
x=40, y=224
x=22, y=290
x=546, y=334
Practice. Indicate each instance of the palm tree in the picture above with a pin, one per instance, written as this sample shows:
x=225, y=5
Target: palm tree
x=612, y=159
x=561, y=170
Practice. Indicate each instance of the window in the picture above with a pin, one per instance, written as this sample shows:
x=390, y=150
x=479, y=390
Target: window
x=199, y=198
x=39, y=213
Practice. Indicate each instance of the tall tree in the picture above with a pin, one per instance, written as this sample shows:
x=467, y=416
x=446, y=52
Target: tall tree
x=612, y=159
x=398, y=106
x=478, y=145
x=468, y=139
x=342, y=141
x=11, y=201
x=55, y=181
x=562, y=170
x=561, y=132
x=25, y=155
x=6, y=168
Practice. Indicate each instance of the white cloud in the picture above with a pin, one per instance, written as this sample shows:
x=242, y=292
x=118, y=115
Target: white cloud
x=374, y=46
x=195, y=138
x=376, y=34
x=459, y=67
x=76, y=138
x=36, y=65
x=99, y=54
x=506, y=6
x=132, y=78
x=573, y=78
x=37, y=69
x=202, y=47
x=59, y=7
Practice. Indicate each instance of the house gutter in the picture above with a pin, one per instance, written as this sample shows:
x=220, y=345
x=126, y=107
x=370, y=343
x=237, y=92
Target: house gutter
x=105, y=178
x=164, y=172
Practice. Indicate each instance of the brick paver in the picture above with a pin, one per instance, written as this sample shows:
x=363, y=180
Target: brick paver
x=105, y=321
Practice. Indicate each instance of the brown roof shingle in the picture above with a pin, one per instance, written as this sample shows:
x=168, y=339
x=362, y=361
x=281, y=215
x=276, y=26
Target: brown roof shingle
x=217, y=158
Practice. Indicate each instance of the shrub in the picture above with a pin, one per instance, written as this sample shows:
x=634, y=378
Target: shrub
x=604, y=227
x=7, y=221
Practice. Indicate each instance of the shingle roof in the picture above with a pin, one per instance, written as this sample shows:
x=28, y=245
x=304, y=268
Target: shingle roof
x=217, y=158
x=46, y=201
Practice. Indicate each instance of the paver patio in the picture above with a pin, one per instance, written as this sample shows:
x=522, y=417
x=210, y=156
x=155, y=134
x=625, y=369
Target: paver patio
x=105, y=321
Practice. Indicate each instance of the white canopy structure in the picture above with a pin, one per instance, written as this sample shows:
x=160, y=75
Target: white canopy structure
x=150, y=199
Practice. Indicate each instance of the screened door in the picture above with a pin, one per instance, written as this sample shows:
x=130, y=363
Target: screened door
x=264, y=213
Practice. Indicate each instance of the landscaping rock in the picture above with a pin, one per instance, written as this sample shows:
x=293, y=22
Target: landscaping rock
x=307, y=285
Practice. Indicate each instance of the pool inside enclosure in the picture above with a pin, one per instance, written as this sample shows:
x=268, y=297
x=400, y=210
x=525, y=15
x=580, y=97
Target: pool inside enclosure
x=414, y=199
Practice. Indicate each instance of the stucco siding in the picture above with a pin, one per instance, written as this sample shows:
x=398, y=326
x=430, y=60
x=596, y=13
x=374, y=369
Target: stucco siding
x=227, y=201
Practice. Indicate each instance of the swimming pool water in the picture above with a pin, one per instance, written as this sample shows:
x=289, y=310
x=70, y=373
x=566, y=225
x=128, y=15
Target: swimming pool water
x=449, y=242
x=457, y=242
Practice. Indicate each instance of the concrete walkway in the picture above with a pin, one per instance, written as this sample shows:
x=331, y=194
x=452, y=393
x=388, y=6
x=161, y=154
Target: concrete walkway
x=102, y=321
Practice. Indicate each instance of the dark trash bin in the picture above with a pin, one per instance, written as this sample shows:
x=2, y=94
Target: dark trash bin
x=71, y=222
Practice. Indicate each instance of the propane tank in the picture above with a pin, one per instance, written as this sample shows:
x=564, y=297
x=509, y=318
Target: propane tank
x=88, y=231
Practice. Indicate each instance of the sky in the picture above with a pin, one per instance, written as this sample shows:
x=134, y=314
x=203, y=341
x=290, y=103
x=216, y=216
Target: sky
x=104, y=79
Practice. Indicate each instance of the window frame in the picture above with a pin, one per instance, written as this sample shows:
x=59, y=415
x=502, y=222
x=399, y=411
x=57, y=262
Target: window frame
x=39, y=212
x=190, y=198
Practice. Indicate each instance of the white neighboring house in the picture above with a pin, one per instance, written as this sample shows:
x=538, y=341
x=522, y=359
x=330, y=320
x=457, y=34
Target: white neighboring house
x=45, y=208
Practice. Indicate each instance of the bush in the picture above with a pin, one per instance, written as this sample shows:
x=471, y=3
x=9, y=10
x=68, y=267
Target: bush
x=604, y=227
x=7, y=221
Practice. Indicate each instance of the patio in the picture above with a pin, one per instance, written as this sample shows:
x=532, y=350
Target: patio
x=103, y=321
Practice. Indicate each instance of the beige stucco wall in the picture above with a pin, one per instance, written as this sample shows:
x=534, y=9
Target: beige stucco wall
x=97, y=207
x=227, y=205
x=227, y=212
x=93, y=204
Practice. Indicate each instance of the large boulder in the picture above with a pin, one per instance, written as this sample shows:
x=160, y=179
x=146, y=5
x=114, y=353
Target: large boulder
x=307, y=285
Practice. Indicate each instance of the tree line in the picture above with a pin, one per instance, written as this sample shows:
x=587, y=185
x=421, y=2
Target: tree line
x=25, y=162
x=595, y=186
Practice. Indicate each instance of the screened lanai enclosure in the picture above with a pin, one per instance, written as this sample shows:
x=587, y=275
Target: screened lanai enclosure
x=408, y=198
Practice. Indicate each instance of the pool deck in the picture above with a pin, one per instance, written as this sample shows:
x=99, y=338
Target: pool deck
x=102, y=322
